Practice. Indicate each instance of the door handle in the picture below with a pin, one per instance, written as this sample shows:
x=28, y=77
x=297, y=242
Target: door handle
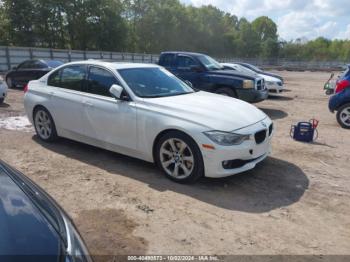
x=88, y=104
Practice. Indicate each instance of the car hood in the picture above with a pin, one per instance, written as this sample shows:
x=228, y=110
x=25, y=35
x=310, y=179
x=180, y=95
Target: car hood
x=232, y=73
x=272, y=75
x=211, y=111
x=270, y=78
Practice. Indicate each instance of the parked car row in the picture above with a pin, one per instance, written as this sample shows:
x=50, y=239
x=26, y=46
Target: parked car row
x=201, y=71
x=205, y=73
x=272, y=83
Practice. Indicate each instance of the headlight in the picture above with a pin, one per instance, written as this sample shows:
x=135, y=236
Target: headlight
x=225, y=138
x=248, y=84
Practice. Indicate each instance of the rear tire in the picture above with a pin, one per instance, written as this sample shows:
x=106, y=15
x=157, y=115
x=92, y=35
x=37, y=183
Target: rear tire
x=179, y=157
x=2, y=100
x=343, y=116
x=44, y=125
x=226, y=91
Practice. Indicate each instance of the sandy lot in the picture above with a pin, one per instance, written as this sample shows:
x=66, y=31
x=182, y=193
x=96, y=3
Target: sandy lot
x=296, y=202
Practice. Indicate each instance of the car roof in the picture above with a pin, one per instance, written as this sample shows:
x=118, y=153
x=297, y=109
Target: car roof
x=182, y=53
x=114, y=65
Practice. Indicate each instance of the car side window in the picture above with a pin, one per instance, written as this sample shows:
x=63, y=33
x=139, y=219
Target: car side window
x=167, y=60
x=100, y=81
x=72, y=77
x=185, y=62
x=55, y=79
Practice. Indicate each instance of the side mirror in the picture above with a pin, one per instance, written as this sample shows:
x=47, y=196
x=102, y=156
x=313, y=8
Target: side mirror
x=116, y=91
x=189, y=83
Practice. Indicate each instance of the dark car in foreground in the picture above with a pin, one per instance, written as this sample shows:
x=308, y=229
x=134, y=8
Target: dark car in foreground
x=260, y=71
x=33, y=227
x=340, y=101
x=206, y=74
x=29, y=70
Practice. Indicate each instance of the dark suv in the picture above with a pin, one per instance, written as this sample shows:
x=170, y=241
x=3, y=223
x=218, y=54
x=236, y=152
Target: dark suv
x=206, y=74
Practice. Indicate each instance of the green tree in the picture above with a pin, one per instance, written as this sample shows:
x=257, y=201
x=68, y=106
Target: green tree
x=21, y=16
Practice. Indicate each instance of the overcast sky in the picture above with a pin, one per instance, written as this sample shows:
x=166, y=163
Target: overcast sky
x=295, y=18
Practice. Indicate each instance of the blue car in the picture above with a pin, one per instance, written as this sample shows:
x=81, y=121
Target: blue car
x=340, y=102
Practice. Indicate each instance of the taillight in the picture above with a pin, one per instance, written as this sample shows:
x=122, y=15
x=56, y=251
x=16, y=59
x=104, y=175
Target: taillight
x=341, y=85
x=25, y=88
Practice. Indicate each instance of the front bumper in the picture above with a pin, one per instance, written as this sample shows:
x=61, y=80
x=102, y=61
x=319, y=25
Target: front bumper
x=252, y=95
x=249, y=153
x=276, y=87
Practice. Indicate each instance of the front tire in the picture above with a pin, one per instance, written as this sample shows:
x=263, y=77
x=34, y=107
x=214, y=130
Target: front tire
x=343, y=116
x=2, y=100
x=44, y=125
x=179, y=157
x=225, y=91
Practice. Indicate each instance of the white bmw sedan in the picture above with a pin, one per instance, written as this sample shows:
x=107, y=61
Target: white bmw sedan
x=146, y=112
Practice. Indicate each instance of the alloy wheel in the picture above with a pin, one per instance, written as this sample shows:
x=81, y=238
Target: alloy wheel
x=176, y=158
x=345, y=116
x=43, y=124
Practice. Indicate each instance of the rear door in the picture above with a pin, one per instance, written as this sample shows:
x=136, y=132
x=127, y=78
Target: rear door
x=66, y=99
x=107, y=120
x=19, y=75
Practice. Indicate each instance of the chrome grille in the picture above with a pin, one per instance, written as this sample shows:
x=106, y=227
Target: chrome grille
x=260, y=84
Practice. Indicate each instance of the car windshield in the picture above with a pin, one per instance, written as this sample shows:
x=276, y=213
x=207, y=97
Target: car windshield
x=256, y=69
x=245, y=70
x=154, y=82
x=210, y=63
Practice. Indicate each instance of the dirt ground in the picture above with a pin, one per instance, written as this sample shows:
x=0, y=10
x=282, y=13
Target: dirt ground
x=295, y=202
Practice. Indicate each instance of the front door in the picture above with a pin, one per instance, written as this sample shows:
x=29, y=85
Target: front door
x=107, y=120
x=187, y=69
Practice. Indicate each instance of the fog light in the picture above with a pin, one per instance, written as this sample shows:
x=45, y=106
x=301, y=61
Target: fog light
x=225, y=164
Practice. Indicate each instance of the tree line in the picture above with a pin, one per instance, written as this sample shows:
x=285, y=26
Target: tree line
x=152, y=26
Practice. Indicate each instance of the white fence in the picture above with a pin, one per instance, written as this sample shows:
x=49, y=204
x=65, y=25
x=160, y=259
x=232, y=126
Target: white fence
x=12, y=56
